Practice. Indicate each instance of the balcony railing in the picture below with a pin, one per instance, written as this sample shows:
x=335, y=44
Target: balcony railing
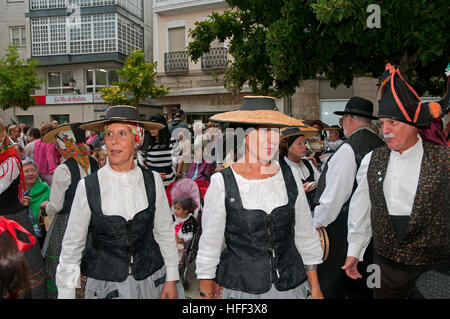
x=216, y=58
x=176, y=61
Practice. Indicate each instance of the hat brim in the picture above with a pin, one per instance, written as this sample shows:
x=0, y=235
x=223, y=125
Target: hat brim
x=98, y=125
x=357, y=114
x=257, y=117
x=311, y=122
x=307, y=132
x=50, y=137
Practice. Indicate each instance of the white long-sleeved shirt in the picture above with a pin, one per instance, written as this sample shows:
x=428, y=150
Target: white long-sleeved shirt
x=340, y=177
x=339, y=184
x=399, y=187
x=122, y=194
x=61, y=182
x=265, y=194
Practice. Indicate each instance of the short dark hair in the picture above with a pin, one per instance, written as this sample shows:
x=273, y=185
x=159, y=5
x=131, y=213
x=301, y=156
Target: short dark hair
x=34, y=132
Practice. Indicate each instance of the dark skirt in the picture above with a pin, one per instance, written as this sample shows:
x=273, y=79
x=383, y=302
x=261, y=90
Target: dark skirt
x=52, y=250
x=33, y=256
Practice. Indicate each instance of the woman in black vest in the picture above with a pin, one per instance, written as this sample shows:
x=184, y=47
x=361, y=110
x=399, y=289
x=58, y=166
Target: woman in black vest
x=118, y=234
x=256, y=207
x=293, y=152
x=70, y=143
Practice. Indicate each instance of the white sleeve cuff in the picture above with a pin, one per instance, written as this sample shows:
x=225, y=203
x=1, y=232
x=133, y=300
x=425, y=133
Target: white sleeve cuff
x=66, y=293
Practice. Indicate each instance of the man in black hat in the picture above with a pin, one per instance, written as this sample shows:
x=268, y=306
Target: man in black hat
x=402, y=197
x=335, y=188
x=177, y=122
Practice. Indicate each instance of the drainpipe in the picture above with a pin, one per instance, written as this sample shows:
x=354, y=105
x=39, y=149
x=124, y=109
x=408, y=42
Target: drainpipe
x=289, y=105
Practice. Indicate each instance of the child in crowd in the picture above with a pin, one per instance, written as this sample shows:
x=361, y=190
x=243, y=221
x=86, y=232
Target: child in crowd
x=184, y=225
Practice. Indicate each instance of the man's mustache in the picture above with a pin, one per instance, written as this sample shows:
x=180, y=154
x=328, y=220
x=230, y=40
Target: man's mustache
x=388, y=135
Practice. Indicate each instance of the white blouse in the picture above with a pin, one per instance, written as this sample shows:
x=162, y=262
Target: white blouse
x=122, y=194
x=265, y=194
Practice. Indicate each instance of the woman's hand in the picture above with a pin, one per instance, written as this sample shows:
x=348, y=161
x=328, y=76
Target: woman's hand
x=169, y=290
x=309, y=186
x=26, y=200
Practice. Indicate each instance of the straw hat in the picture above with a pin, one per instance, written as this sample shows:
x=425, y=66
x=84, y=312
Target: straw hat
x=79, y=134
x=307, y=132
x=121, y=113
x=257, y=110
x=311, y=122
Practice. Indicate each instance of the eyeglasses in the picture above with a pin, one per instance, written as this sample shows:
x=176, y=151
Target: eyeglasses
x=29, y=171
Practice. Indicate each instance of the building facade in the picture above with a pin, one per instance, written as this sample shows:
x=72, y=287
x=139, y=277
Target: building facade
x=79, y=46
x=196, y=88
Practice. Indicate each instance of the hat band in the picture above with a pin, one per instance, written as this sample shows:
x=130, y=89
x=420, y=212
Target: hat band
x=393, y=71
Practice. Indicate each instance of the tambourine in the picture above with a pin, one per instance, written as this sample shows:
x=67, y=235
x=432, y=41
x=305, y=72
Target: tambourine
x=324, y=242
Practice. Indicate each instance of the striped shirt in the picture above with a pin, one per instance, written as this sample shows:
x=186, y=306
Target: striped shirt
x=164, y=159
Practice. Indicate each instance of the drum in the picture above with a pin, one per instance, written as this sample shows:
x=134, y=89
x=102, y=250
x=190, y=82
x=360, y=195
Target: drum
x=324, y=242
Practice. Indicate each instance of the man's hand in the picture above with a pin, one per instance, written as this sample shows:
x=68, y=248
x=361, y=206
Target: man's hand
x=351, y=267
x=169, y=290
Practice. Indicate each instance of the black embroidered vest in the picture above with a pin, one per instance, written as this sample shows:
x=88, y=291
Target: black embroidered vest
x=116, y=247
x=427, y=238
x=260, y=247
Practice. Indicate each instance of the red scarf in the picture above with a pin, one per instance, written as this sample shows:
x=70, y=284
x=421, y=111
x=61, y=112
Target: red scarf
x=8, y=150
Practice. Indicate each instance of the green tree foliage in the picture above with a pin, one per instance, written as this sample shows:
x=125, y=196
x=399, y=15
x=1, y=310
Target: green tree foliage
x=139, y=82
x=18, y=80
x=277, y=43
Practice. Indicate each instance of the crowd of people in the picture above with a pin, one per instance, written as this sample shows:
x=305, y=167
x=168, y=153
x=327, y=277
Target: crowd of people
x=293, y=208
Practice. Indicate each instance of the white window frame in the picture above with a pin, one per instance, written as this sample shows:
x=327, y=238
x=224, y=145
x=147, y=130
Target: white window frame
x=176, y=24
x=61, y=87
x=22, y=30
x=94, y=86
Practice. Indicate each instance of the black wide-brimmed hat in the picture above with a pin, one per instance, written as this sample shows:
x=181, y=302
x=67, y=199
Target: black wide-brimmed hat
x=78, y=133
x=358, y=106
x=121, y=113
x=257, y=110
x=397, y=100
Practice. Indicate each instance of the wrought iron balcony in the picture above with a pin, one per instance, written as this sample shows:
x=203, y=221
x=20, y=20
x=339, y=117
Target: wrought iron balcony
x=216, y=58
x=176, y=61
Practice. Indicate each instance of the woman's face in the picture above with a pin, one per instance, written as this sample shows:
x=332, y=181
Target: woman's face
x=297, y=150
x=154, y=133
x=334, y=135
x=30, y=174
x=120, y=145
x=262, y=143
x=15, y=133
